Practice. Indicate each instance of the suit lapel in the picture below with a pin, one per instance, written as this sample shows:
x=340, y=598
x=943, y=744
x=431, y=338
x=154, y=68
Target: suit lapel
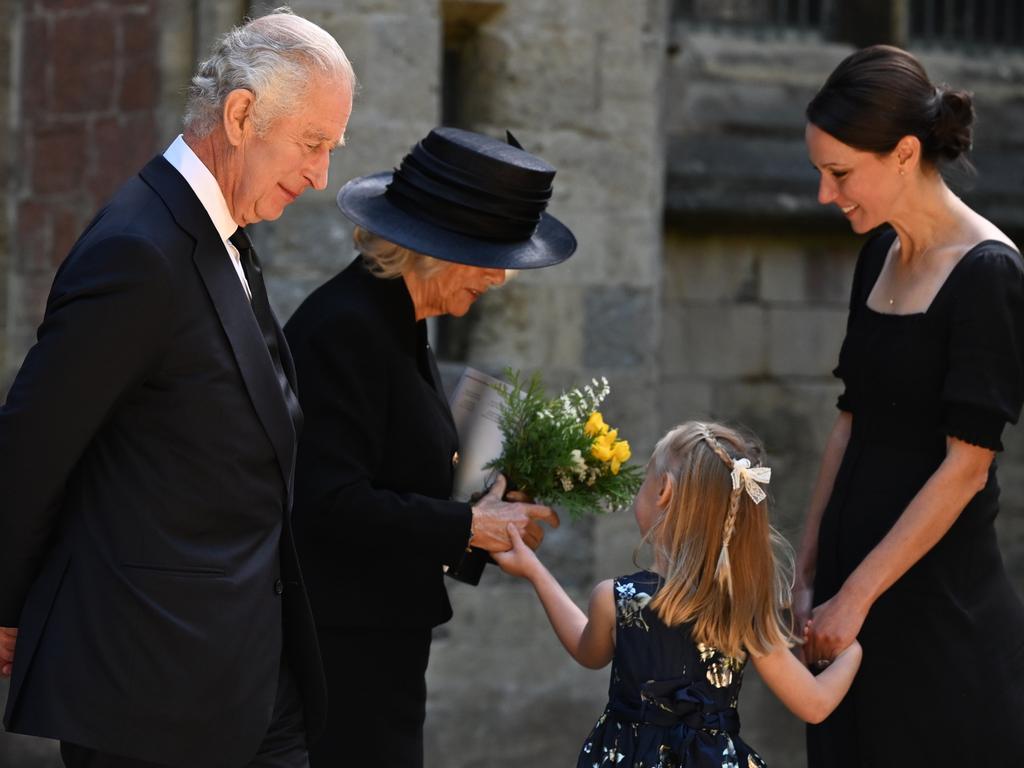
x=233, y=311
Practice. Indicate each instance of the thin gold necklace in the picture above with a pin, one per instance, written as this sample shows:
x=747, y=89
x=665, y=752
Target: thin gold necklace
x=924, y=253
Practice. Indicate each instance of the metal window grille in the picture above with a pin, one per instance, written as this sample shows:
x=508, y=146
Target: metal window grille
x=763, y=18
x=968, y=23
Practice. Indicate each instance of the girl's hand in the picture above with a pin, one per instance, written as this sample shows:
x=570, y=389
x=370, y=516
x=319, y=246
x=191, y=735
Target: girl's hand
x=803, y=597
x=520, y=560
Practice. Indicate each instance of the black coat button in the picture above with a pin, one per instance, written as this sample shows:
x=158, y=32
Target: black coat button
x=278, y=587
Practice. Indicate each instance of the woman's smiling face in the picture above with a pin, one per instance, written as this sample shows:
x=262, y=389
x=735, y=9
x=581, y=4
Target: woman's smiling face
x=453, y=289
x=865, y=186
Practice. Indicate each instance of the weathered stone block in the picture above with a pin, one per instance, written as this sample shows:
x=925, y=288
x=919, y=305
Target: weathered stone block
x=718, y=342
x=119, y=147
x=709, y=269
x=619, y=328
x=530, y=325
x=814, y=274
x=684, y=398
x=35, y=63
x=619, y=249
x=804, y=341
x=57, y=152
x=84, y=51
x=544, y=78
x=732, y=57
x=790, y=417
x=738, y=107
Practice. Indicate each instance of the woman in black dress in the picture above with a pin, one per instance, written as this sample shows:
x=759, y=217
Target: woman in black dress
x=373, y=518
x=899, y=547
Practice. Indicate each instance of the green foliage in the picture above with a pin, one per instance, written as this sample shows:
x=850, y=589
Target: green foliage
x=548, y=448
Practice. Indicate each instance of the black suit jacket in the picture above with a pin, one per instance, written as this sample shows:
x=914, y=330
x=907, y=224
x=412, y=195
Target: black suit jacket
x=146, y=460
x=373, y=519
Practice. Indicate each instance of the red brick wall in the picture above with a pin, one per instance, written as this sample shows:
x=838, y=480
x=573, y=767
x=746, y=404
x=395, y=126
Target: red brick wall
x=88, y=96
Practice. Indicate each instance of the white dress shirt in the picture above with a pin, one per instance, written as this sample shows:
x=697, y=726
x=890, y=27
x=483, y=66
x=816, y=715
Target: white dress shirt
x=198, y=176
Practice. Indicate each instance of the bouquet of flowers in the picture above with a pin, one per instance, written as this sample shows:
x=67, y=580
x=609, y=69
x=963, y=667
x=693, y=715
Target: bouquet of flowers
x=560, y=451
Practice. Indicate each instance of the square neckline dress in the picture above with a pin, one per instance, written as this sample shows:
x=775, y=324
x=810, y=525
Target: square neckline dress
x=942, y=681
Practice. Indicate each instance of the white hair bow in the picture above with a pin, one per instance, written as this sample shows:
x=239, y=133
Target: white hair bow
x=748, y=478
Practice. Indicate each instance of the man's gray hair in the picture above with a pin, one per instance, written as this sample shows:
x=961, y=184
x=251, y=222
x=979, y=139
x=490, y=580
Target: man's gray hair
x=273, y=57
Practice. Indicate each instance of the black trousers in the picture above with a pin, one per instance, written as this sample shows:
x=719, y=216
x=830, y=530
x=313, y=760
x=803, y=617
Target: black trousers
x=284, y=746
x=376, y=697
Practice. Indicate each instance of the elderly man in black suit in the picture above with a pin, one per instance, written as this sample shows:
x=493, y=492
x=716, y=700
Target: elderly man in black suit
x=147, y=445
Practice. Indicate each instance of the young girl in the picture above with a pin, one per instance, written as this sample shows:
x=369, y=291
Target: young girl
x=679, y=635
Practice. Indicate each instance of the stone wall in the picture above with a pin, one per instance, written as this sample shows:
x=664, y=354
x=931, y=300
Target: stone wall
x=579, y=83
x=8, y=40
x=708, y=282
x=86, y=104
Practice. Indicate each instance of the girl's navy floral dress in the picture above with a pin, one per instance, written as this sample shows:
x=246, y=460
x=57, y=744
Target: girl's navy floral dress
x=671, y=701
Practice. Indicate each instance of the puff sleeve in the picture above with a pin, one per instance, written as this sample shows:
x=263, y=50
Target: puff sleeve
x=984, y=385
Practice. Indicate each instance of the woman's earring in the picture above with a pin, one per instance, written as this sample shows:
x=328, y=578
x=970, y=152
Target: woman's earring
x=902, y=171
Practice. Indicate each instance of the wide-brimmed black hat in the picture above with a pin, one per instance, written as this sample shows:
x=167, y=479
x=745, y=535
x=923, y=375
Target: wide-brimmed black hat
x=464, y=197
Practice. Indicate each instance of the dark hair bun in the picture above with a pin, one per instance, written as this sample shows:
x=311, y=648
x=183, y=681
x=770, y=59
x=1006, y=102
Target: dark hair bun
x=952, y=134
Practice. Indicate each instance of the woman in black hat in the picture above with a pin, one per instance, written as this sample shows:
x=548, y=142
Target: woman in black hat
x=373, y=519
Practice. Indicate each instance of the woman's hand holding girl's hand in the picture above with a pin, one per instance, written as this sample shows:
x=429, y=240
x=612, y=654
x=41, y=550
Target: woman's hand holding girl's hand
x=520, y=560
x=836, y=624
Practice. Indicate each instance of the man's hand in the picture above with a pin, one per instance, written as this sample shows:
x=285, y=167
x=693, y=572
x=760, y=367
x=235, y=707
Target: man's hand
x=8, y=638
x=492, y=516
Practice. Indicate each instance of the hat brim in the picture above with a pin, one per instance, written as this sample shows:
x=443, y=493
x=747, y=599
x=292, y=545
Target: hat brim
x=363, y=201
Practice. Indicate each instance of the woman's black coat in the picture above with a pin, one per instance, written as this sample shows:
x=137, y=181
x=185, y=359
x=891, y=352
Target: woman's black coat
x=372, y=516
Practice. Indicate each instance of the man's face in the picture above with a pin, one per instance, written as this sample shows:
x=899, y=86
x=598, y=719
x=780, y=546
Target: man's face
x=293, y=154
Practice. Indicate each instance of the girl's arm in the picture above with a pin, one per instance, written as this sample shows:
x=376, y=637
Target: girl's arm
x=810, y=698
x=930, y=514
x=807, y=556
x=589, y=638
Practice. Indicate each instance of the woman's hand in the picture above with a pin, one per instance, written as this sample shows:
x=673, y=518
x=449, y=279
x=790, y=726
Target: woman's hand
x=492, y=516
x=834, y=627
x=520, y=560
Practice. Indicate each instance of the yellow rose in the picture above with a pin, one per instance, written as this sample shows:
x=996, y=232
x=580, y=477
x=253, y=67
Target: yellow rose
x=595, y=425
x=602, y=448
x=621, y=450
x=620, y=453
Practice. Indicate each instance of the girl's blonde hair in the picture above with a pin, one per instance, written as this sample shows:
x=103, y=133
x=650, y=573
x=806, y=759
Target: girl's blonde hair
x=728, y=570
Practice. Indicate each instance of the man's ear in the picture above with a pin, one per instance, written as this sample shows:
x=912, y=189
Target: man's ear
x=238, y=115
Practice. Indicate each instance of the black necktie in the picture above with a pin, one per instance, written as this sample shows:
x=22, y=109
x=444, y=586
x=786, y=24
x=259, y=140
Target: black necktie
x=265, y=318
